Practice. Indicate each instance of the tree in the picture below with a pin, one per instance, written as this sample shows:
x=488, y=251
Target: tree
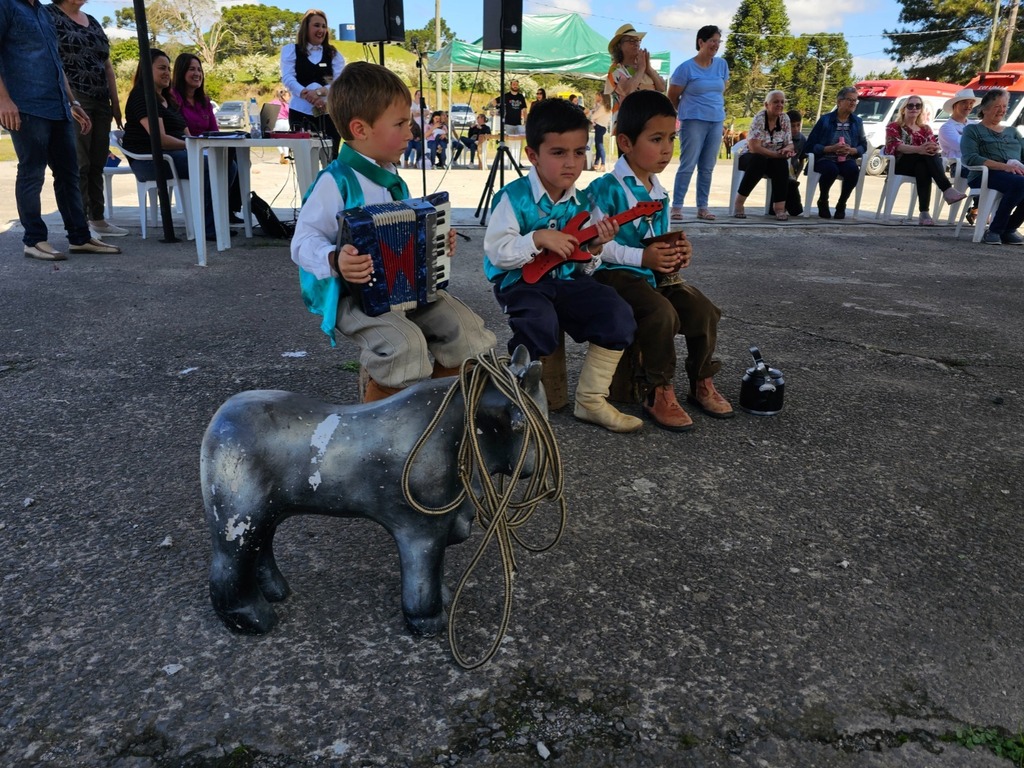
x=758, y=43
x=893, y=74
x=818, y=66
x=425, y=36
x=258, y=29
x=158, y=20
x=949, y=39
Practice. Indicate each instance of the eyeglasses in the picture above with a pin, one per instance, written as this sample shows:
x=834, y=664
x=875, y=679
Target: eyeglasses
x=851, y=99
x=628, y=40
x=914, y=106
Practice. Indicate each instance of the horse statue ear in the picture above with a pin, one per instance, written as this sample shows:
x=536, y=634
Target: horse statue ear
x=520, y=359
x=530, y=379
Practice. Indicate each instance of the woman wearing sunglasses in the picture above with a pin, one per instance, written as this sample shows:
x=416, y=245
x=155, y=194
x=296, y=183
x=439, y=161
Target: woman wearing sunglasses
x=910, y=140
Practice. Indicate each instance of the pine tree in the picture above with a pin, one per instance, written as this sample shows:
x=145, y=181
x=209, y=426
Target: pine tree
x=757, y=46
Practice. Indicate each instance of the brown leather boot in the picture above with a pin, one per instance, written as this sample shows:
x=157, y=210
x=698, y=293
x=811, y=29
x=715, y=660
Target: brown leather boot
x=441, y=372
x=710, y=400
x=375, y=391
x=664, y=410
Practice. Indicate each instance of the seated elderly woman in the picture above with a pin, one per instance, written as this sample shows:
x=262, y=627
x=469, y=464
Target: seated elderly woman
x=769, y=148
x=1000, y=149
x=836, y=140
x=910, y=140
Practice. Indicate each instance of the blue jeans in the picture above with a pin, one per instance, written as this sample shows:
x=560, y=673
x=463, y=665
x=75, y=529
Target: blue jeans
x=599, y=132
x=145, y=170
x=698, y=148
x=38, y=144
x=1010, y=213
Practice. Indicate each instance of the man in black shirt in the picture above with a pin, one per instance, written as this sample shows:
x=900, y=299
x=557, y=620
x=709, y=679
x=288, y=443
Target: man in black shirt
x=513, y=106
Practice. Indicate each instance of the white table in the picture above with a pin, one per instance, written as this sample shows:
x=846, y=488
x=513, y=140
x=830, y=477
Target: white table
x=308, y=153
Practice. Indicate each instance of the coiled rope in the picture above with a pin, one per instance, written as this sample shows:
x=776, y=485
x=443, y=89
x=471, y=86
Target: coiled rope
x=497, y=512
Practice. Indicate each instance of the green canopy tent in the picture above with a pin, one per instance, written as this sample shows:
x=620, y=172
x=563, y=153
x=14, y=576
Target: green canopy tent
x=554, y=44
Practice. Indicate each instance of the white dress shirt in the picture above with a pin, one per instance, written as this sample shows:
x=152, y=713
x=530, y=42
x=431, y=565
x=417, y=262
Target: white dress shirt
x=315, y=53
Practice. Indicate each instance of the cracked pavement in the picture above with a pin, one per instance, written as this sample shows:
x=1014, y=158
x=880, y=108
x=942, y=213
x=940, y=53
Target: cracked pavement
x=839, y=585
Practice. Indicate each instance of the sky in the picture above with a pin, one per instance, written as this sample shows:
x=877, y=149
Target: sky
x=671, y=25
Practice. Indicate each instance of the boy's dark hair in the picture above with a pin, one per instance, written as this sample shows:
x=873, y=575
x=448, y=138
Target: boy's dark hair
x=638, y=108
x=553, y=116
x=706, y=33
x=364, y=91
x=795, y=116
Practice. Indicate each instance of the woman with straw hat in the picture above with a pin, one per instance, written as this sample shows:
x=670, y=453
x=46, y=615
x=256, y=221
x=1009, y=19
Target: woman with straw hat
x=958, y=107
x=631, y=68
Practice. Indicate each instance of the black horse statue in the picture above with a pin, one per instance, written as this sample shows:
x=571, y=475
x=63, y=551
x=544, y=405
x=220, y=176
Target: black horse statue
x=269, y=454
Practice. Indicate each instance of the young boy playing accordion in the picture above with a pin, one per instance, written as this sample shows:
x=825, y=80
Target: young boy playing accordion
x=370, y=106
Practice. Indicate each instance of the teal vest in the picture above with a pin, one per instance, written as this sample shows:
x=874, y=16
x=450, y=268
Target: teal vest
x=321, y=297
x=531, y=217
x=608, y=194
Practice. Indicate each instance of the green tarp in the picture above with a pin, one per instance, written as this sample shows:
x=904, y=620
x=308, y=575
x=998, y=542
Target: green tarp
x=563, y=44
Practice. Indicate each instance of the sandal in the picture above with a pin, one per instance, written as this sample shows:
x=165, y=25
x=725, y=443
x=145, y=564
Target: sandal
x=676, y=216
x=704, y=213
x=739, y=214
x=782, y=216
x=924, y=220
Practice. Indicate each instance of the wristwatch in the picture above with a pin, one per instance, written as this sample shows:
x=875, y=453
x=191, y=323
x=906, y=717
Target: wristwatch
x=76, y=103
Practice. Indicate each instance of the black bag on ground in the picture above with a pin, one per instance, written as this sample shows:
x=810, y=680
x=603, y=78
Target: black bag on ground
x=269, y=223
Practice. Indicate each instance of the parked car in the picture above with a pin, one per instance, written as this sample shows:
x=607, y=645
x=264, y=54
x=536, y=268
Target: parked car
x=232, y=114
x=461, y=117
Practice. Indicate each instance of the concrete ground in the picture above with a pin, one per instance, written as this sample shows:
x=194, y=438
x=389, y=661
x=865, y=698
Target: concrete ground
x=838, y=585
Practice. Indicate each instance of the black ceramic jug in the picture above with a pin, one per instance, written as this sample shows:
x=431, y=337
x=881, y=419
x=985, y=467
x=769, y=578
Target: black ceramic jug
x=763, y=388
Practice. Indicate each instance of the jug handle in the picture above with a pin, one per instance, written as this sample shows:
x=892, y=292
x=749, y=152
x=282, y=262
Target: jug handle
x=756, y=354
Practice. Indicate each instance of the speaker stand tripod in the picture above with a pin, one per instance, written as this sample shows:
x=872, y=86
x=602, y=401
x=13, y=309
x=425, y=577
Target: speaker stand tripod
x=503, y=152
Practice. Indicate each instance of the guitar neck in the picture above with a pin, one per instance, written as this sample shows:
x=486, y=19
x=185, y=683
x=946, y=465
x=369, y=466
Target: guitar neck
x=619, y=218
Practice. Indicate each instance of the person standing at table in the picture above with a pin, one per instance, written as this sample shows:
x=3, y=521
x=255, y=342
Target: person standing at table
x=85, y=53
x=282, y=125
x=39, y=109
x=697, y=87
x=308, y=67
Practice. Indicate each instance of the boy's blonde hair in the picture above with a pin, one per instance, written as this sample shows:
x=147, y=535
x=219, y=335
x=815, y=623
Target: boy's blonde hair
x=364, y=91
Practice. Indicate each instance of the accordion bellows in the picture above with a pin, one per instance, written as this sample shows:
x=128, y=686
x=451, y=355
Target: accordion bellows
x=408, y=242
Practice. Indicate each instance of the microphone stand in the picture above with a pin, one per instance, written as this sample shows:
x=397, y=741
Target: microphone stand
x=423, y=108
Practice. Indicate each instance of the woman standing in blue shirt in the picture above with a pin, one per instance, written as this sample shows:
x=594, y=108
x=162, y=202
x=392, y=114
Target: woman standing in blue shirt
x=697, y=87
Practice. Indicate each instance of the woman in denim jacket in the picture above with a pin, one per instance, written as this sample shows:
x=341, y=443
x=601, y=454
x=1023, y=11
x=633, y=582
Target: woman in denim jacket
x=836, y=140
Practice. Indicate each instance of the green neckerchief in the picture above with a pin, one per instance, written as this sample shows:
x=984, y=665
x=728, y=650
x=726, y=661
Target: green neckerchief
x=392, y=182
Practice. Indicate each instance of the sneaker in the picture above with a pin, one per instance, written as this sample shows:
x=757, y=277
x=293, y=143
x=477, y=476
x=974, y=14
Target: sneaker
x=991, y=238
x=94, y=246
x=44, y=251
x=103, y=228
x=1012, y=238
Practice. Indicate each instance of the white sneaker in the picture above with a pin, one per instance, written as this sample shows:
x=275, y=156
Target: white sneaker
x=106, y=229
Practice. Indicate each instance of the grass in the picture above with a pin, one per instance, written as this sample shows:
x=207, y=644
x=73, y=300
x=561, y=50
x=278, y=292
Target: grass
x=995, y=740
x=6, y=149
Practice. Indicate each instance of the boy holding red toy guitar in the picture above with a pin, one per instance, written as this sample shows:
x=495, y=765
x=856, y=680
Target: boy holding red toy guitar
x=643, y=268
x=536, y=253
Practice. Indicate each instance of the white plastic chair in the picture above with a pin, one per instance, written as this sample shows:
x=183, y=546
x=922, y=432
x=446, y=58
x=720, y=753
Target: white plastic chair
x=988, y=199
x=960, y=185
x=893, y=182
x=812, y=184
x=738, y=149
x=109, y=172
x=148, y=192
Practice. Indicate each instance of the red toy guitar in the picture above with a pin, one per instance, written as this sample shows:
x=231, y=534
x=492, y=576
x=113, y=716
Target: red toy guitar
x=545, y=261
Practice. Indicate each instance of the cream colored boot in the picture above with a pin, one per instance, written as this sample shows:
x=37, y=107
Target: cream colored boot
x=592, y=392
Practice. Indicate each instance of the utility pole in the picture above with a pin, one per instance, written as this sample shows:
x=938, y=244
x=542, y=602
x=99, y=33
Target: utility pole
x=996, y=7
x=437, y=47
x=824, y=79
